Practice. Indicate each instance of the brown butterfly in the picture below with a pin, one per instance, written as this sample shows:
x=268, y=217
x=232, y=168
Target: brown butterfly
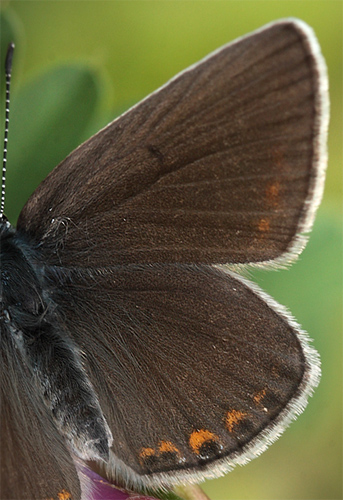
x=121, y=341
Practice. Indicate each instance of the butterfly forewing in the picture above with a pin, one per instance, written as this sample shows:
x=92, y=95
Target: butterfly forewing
x=218, y=166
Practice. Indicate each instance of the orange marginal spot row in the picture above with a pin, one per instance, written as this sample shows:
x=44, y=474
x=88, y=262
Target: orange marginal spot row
x=196, y=440
x=163, y=447
x=198, y=437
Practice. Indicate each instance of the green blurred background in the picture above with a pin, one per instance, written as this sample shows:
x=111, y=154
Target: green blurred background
x=78, y=64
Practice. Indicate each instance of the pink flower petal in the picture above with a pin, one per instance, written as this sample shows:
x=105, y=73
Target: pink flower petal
x=103, y=490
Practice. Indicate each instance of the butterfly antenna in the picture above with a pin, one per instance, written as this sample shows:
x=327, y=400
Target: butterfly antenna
x=8, y=70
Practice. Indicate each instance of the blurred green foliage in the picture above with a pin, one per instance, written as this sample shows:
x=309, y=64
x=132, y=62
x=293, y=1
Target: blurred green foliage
x=79, y=64
x=48, y=120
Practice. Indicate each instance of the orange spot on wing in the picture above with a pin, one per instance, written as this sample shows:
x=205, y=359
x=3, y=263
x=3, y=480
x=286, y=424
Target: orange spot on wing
x=233, y=418
x=167, y=447
x=64, y=495
x=259, y=396
x=147, y=453
x=258, y=399
x=161, y=453
x=264, y=226
x=272, y=193
x=198, y=438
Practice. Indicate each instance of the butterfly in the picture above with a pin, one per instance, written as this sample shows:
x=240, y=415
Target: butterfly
x=128, y=336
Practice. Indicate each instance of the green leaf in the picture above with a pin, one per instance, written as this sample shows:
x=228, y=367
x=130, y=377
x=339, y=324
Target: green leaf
x=48, y=119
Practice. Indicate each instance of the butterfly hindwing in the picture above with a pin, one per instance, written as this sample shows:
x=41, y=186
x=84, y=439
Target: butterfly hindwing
x=168, y=360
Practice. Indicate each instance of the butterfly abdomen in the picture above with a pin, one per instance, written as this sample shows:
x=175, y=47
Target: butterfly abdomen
x=54, y=363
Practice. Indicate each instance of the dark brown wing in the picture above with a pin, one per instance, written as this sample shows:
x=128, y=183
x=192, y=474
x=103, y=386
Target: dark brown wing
x=223, y=164
x=194, y=369
x=35, y=463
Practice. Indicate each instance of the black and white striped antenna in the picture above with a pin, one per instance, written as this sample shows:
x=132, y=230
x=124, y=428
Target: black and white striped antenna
x=8, y=70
